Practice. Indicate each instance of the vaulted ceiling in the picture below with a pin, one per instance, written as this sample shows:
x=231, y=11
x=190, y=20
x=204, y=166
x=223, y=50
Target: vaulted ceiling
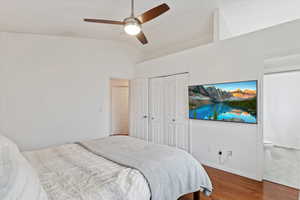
x=187, y=23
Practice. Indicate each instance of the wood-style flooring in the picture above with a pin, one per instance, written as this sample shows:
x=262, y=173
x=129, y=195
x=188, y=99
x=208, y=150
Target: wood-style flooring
x=232, y=187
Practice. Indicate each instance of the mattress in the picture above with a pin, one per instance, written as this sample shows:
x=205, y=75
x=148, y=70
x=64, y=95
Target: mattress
x=70, y=172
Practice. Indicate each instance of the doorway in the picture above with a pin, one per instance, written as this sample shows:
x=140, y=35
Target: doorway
x=119, y=106
x=281, y=128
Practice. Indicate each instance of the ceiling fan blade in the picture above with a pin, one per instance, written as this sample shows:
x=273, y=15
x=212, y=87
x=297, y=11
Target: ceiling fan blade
x=104, y=21
x=153, y=13
x=142, y=38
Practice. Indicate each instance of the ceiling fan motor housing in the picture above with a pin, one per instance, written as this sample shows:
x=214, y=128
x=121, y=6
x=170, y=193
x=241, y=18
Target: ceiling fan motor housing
x=132, y=20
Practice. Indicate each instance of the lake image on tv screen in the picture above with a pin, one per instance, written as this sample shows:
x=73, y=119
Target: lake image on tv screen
x=232, y=102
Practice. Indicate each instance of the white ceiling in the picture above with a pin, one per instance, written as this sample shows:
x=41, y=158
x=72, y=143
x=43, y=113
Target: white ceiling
x=185, y=22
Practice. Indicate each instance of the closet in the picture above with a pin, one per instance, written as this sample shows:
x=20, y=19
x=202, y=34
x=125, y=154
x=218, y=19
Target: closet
x=165, y=113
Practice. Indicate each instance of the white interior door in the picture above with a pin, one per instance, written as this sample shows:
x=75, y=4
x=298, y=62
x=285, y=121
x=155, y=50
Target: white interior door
x=170, y=110
x=119, y=110
x=176, y=111
x=139, y=108
x=181, y=112
x=156, y=108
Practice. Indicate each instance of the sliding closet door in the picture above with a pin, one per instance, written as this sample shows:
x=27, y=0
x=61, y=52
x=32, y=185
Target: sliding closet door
x=181, y=113
x=139, y=108
x=156, y=108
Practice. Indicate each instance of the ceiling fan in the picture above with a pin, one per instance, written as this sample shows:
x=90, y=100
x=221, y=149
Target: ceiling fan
x=133, y=25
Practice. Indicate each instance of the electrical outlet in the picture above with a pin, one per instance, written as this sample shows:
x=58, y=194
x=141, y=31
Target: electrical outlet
x=220, y=157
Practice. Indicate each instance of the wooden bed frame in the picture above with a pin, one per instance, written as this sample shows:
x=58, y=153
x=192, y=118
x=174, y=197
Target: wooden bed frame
x=196, y=195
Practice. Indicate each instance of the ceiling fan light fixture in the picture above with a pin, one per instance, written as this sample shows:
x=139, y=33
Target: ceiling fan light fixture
x=132, y=26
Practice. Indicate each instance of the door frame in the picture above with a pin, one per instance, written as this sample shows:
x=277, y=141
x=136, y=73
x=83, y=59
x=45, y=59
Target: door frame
x=274, y=65
x=110, y=102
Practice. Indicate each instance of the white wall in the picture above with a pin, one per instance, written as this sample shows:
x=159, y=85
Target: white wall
x=245, y=16
x=241, y=58
x=55, y=90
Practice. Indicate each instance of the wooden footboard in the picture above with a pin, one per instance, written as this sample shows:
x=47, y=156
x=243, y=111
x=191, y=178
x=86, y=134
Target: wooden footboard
x=196, y=195
x=191, y=196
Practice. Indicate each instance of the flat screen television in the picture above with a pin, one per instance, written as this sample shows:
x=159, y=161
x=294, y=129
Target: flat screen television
x=227, y=102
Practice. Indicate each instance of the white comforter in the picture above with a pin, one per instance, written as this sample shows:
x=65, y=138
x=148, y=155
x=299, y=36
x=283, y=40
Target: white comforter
x=70, y=172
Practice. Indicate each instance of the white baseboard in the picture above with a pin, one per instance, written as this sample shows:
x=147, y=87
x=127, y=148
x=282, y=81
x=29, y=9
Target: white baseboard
x=281, y=182
x=231, y=170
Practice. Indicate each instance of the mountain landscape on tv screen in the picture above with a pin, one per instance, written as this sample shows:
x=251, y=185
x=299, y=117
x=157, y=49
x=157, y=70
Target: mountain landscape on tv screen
x=235, y=102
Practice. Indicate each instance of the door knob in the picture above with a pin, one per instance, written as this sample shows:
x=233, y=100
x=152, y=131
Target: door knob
x=173, y=120
x=145, y=116
x=152, y=118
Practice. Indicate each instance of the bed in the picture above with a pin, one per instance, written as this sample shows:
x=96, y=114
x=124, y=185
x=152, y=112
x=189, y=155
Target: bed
x=113, y=168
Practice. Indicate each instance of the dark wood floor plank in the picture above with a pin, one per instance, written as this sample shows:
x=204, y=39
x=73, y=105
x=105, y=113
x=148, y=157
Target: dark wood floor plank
x=228, y=186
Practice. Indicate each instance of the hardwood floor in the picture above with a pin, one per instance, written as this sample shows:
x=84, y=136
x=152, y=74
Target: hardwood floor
x=232, y=187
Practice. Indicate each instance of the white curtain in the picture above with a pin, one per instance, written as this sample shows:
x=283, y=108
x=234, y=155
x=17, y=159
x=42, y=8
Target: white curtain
x=282, y=109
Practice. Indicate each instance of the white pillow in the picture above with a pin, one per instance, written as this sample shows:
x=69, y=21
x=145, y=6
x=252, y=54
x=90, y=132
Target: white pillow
x=8, y=147
x=18, y=180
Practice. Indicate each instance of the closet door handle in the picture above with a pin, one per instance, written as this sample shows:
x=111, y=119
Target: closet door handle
x=173, y=120
x=145, y=116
